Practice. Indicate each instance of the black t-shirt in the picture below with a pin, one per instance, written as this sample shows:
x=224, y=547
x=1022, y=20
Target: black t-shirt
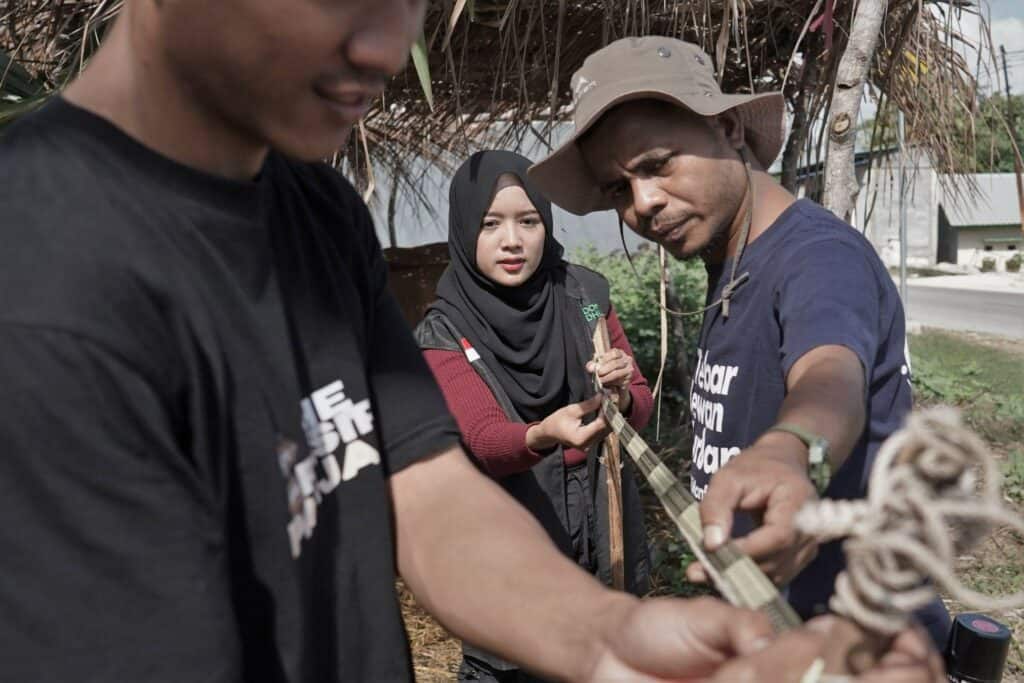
x=204, y=385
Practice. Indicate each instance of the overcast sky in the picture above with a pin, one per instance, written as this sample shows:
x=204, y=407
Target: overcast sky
x=1007, y=26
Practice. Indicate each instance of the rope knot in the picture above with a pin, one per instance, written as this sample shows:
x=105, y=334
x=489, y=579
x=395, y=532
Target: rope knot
x=934, y=492
x=730, y=288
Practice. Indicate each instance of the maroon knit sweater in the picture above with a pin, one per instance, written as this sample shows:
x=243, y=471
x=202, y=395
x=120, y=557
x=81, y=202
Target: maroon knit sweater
x=498, y=443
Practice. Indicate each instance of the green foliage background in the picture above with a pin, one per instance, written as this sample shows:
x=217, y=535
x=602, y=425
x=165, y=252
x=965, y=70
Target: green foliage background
x=985, y=381
x=635, y=301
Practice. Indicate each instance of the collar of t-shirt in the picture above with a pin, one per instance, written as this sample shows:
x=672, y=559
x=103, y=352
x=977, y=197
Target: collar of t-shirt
x=764, y=243
x=241, y=198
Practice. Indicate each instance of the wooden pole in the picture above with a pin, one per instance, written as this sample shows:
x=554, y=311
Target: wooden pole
x=901, y=132
x=613, y=467
x=1011, y=119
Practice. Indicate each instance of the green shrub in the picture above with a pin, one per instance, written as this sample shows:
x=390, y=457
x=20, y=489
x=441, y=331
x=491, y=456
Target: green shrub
x=1013, y=475
x=636, y=305
x=981, y=379
x=1013, y=263
x=988, y=264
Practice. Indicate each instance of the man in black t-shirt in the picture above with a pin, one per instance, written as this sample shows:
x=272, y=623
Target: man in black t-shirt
x=217, y=438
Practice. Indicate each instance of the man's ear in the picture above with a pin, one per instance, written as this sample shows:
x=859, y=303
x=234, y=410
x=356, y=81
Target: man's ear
x=731, y=125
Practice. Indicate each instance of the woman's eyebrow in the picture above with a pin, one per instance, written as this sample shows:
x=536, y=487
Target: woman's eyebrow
x=520, y=214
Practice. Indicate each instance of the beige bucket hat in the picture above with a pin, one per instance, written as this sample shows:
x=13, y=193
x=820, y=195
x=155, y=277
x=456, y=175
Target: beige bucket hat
x=650, y=67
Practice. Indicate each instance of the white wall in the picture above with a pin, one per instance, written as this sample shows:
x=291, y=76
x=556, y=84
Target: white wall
x=971, y=246
x=880, y=195
x=415, y=225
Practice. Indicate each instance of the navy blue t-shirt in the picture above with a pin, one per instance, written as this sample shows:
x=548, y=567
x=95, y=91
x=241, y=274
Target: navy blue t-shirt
x=814, y=281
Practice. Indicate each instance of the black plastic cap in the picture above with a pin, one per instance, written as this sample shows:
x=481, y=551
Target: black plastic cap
x=977, y=649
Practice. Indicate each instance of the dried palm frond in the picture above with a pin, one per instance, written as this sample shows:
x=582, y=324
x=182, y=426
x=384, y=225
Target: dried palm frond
x=499, y=70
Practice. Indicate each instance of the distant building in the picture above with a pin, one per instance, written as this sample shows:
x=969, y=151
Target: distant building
x=990, y=227
x=940, y=227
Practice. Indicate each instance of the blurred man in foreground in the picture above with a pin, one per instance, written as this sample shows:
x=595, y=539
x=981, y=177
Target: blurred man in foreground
x=219, y=439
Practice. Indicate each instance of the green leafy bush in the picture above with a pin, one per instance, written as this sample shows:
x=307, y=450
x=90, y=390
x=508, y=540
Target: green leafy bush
x=984, y=380
x=1013, y=475
x=1013, y=263
x=988, y=264
x=636, y=304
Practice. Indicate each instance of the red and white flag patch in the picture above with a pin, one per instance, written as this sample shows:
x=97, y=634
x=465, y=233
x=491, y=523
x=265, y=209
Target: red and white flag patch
x=471, y=353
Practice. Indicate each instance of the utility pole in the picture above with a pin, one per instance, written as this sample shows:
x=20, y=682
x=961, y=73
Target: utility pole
x=1011, y=119
x=901, y=133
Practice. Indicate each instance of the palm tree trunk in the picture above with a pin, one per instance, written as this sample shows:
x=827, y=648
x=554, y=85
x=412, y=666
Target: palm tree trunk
x=841, y=186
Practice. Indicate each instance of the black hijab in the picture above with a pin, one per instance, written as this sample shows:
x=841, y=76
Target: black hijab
x=523, y=334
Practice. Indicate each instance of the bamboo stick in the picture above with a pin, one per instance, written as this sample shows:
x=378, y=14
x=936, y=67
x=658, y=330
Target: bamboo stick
x=612, y=462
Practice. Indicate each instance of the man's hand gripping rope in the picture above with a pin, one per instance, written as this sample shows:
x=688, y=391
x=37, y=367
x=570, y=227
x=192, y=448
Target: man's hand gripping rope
x=925, y=475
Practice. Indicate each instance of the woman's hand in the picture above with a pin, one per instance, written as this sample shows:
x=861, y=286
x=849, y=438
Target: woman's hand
x=565, y=427
x=615, y=371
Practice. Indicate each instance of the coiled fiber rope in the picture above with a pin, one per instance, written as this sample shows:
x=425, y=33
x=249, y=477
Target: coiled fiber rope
x=934, y=492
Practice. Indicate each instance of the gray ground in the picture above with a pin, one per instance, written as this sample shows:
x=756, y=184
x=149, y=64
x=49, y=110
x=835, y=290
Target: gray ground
x=999, y=313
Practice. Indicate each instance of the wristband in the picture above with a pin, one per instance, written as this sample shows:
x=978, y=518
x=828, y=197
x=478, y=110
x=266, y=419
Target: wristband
x=819, y=470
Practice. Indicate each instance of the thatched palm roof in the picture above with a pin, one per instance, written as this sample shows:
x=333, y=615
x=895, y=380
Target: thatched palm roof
x=500, y=70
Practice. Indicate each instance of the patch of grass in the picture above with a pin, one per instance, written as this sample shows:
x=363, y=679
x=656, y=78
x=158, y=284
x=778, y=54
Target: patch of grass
x=922, y=272
x=1013, y=476
x=669, y=558
x=985, y=379
x=997, y=579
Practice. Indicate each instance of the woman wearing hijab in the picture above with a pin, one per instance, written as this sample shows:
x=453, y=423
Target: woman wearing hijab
x=509, y=340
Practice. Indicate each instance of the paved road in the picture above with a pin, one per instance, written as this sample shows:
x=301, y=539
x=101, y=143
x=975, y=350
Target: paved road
x=999, y=313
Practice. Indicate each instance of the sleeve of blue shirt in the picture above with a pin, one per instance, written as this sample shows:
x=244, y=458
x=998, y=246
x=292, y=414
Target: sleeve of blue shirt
x=829, y=295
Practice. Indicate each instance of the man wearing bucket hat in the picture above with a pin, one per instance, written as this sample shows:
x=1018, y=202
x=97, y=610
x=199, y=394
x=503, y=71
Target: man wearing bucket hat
x=801, y=366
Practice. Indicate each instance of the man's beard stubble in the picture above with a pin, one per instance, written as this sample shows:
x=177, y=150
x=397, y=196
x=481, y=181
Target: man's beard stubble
x=716, y=246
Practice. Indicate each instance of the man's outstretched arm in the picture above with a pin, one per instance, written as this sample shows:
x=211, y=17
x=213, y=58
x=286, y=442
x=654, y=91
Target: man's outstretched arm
x=480, y=563
x=825, y=396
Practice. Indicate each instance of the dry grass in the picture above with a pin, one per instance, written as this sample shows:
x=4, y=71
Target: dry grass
x=500, y=71
x=996, y=567
x=435, y=652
